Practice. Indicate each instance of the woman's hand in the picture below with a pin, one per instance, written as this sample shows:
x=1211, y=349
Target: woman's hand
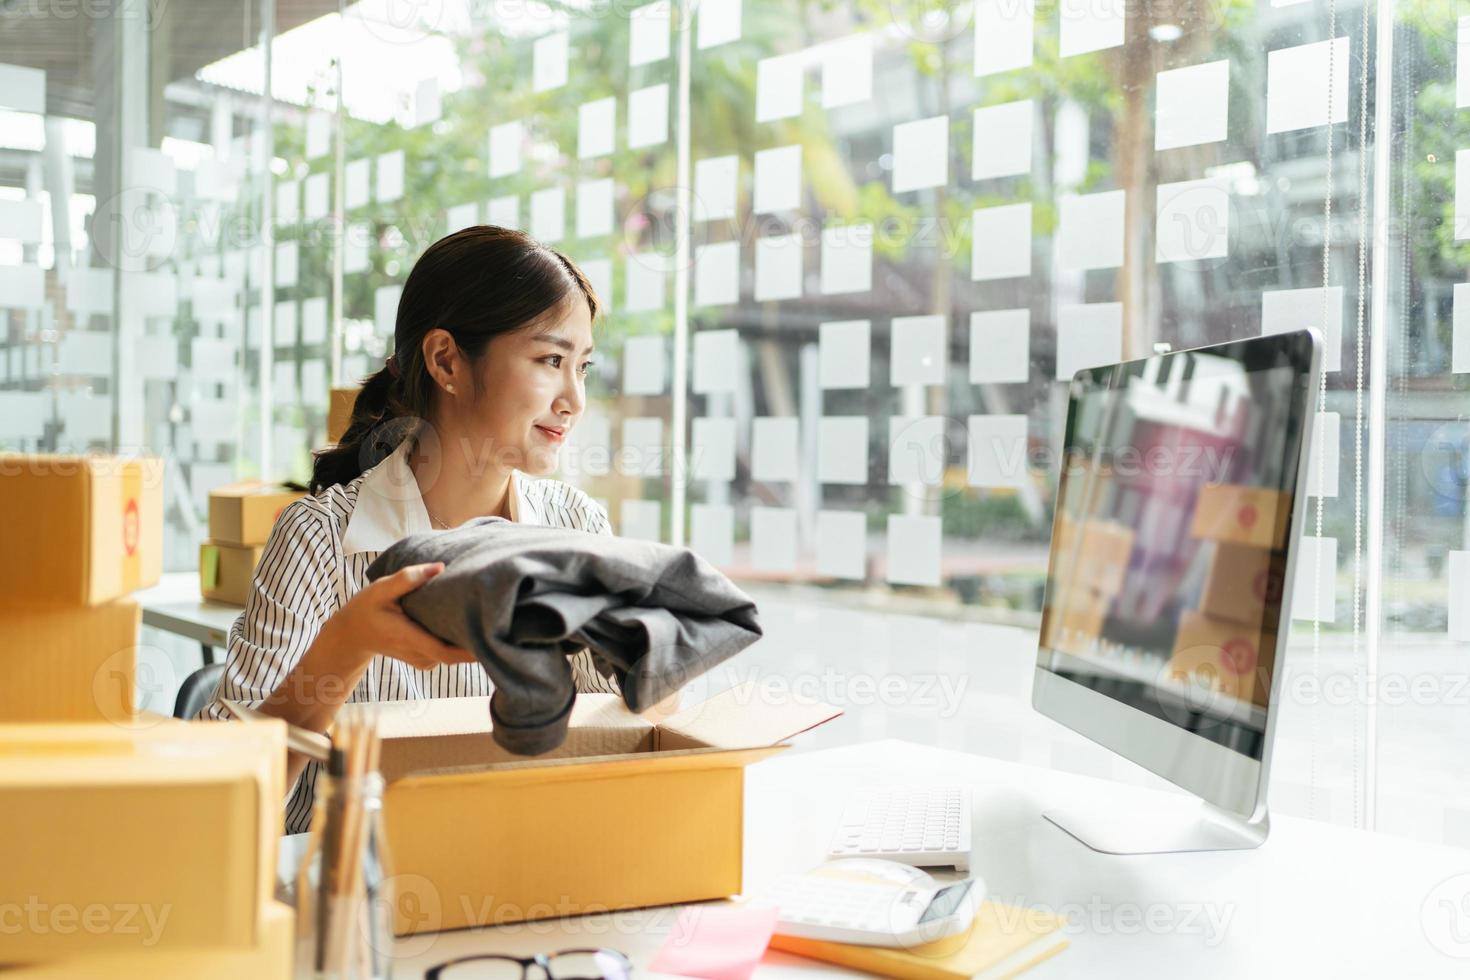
x=373, y=622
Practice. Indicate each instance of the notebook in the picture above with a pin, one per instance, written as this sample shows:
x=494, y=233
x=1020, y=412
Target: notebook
x=1002, y=942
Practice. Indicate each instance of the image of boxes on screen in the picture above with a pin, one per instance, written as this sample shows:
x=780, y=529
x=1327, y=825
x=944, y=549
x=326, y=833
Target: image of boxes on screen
x=1232, y=657
x=1253, y=516
x=1097, y=556
x=1074, y=623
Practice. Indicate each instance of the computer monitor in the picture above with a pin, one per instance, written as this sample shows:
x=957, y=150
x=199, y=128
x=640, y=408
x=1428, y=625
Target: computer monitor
x=1181, y=498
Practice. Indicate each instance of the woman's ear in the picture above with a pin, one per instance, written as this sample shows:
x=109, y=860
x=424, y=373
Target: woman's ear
x=443, y=361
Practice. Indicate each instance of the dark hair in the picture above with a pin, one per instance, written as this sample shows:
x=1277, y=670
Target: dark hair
x=478, y=284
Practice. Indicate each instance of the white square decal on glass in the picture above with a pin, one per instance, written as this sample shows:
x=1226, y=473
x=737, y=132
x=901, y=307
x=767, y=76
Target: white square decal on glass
x=648, y=33
x=773, y=539
x=842, y=544
x=1002, y=140
x=1460, y=329
x=778, y=267
x=1000, y=245
x=648, y=116
x=549, y=214
x=1314, y=591
x=1462, y=194
x=714, y=187
x=779, y=87
x=318, y=196
x=505, y=148
x=1004, y=35
x=773, y=449
x=1193, y=221
x=288, y=207
x=1297, y=96
x=504, y=212
x=642, y=450
x=644, y=365
x=385, y=307
x=719, y=23
x=1090, y=25
x=712, y=443
x=847, y=259
x=1324, y=455
x=777, y=179
x=847, y=71
x=1458, y=600
x=712, y=532
x=1000, y=346
x=919, y=348
x=428, y=103
x=716, y=361
x=1462, y=63
x=596, y=124
x=355, y=248
x=920, y=154
x=844, y=354
x=918, y=449
x=1283, y=310
x=1090, y=232
x=717, y=274
x=549, y=62
x=842, y=449
x=599, y=274
x=390, y=177
x=595, y=208
x=589, y=447
x=1088, y=335
x=1191, y=105
x=356, y=184
x=24, y=89
x=462, y=216
x=997, y=447
x=913, y=549
x=640, y=520
x=643, y=278
x=288, y=256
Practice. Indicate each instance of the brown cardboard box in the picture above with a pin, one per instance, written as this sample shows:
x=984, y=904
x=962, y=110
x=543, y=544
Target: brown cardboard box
x=1240, y=581
x=76, y=664
x=339, y=412
x=626, y=814
x=271, y=958
x=225, y=570
x=1236, y=657
x=79, y=530
x=175, y=825
x=1100, y=560
x=244, y=513
x=1252, y=516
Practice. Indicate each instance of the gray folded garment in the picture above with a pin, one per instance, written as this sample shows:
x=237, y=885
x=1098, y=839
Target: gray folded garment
x=525, y=598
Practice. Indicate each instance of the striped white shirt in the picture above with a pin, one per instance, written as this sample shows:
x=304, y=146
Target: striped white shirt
x=317, y=559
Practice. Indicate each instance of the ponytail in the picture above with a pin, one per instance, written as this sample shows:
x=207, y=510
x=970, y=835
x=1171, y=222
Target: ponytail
x=477, y=284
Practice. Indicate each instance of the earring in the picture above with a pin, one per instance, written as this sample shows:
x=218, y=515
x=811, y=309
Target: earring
x=449, y=388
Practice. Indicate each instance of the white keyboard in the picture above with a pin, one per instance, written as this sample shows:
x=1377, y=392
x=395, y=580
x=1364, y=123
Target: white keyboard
x=926, y=826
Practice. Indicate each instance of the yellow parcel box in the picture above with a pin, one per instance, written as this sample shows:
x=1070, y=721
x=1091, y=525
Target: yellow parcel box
x=269, y=959
x=625, y=814
x=137, y=835
x=78, y=664
x=244, y=513
x=339, y=412
x=79, y=530
x=226, y=571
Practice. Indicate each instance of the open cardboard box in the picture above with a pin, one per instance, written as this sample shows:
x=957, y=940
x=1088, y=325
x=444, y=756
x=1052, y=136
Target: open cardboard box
x=626, y=813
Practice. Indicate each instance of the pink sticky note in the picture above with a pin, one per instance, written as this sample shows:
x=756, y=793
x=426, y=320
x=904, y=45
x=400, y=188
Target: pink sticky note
x=716, y=943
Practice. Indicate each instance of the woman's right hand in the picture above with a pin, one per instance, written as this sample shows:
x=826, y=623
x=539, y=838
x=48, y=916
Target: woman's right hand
x=373, y=622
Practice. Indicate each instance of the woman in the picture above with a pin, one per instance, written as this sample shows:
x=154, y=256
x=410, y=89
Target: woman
x=484, y=385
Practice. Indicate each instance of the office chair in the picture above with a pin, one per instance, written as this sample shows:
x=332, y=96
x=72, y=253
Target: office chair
x=196, y=690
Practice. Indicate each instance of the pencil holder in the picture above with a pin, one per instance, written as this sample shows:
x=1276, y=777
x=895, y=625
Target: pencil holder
x=343, y=906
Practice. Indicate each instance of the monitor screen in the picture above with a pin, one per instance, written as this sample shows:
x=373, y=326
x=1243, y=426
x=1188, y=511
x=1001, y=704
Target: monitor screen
x=1169, y=543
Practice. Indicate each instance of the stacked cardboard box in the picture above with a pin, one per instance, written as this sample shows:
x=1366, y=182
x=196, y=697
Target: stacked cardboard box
x=81, y=533
x=131, y=844
x=339, y=412
x=1225, y=642
x=241, y=516
x=1095, y=555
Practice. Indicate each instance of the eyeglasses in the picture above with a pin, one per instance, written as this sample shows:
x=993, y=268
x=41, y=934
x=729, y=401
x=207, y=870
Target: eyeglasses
x=565, y=964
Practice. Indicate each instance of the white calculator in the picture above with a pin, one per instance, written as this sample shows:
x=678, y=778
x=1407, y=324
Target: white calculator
x=926, y=826
x=871, y=903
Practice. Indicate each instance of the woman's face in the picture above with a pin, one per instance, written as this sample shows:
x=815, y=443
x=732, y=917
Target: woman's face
x=531, y=390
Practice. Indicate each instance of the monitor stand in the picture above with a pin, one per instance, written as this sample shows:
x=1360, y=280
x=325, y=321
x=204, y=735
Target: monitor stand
x=1192, y=826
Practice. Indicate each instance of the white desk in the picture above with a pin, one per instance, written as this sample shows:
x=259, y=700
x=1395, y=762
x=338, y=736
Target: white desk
x=175, y=605
x=1314, y=901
